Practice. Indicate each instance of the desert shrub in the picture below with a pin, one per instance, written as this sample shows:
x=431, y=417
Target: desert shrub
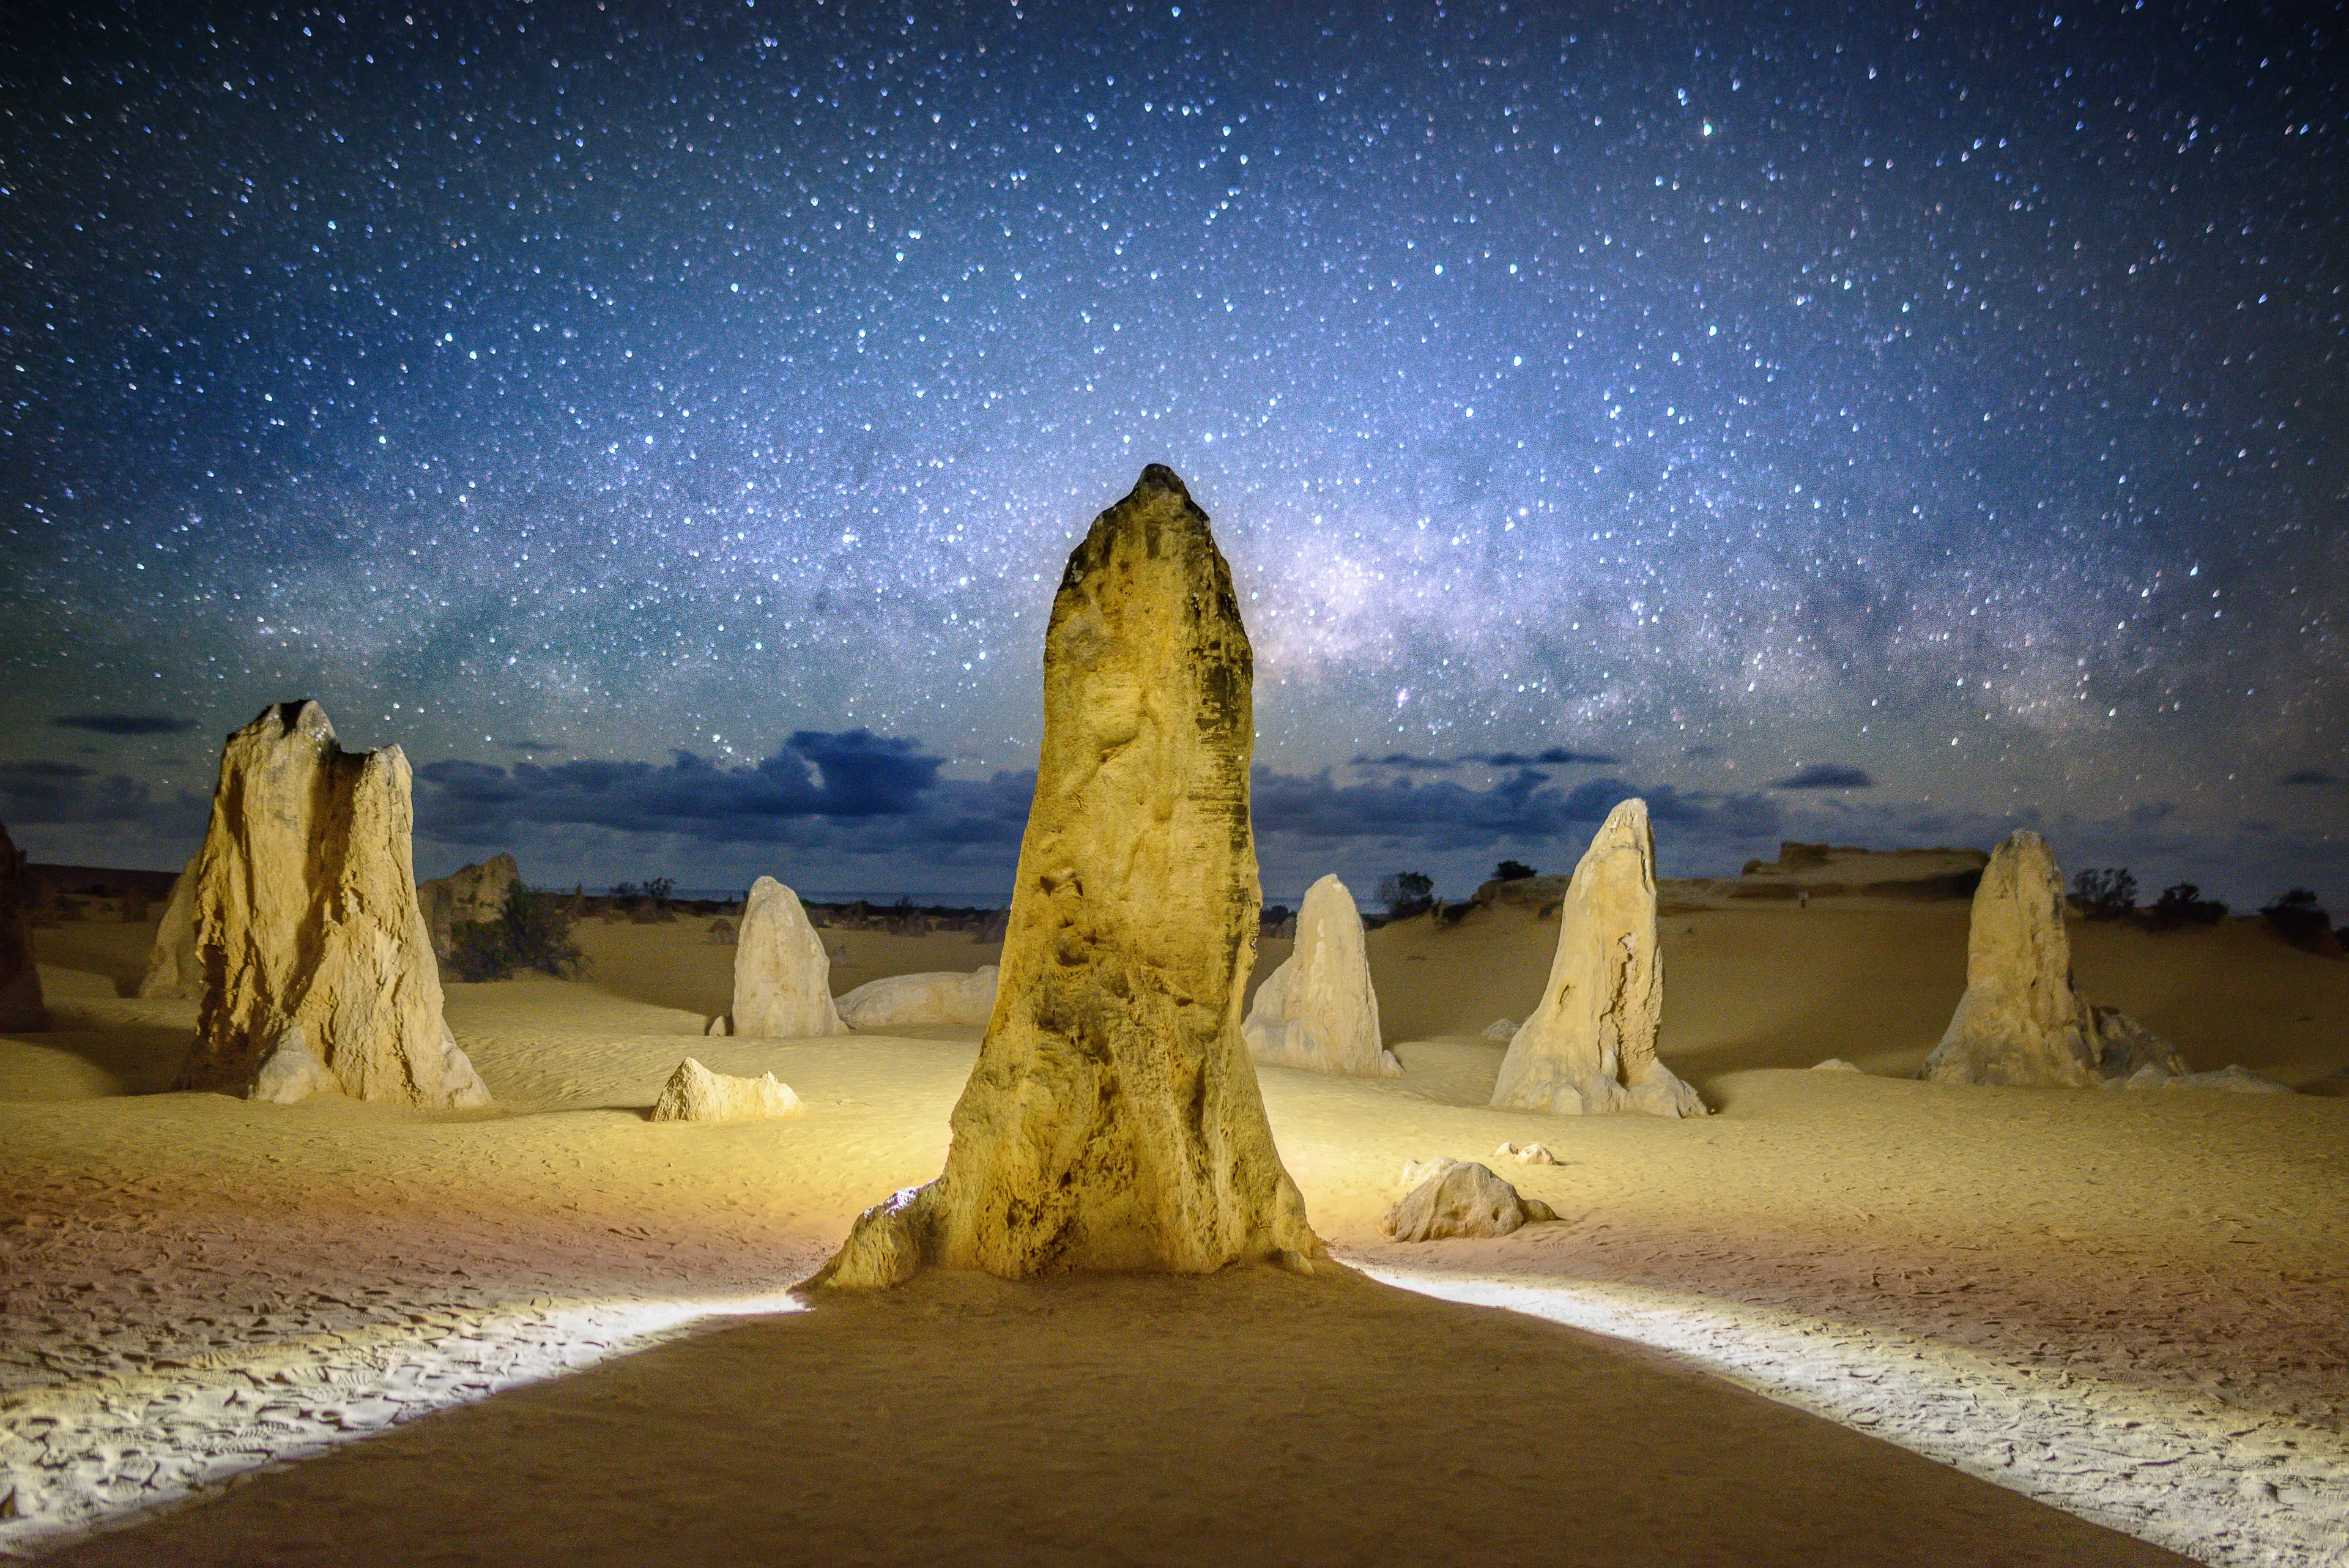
x=2299, y=919
x=1513, y=871
x=2109, y=894
x=532, y=932
x=1406, y=893
x=2181, y=904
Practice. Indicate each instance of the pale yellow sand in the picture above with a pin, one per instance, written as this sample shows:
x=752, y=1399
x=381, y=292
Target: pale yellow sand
x=2189, y=1245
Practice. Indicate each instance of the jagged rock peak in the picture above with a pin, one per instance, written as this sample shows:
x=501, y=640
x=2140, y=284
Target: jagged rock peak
x=1590, y=1045
x=308, y=936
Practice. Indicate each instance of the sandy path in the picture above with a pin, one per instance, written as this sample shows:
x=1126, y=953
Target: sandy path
x=1107, y=1421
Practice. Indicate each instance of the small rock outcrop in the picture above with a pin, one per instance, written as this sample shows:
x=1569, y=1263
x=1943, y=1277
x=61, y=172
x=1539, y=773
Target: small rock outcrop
x=1590, y=1045
x=1526, y=1153
x=1499, y=1029
x=695, y=1093
x=1317, y=1009
x=171, y=968
x=1834, y=1065
x=470, y=895
x=1112, y=1121
x=945, y=997
x=2021, y=1020
x=1459, y=1198
x=782, y=976
x=317, y=968
x=21, y=1005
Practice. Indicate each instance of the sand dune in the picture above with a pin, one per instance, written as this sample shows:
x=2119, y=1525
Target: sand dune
x=2165, y=1246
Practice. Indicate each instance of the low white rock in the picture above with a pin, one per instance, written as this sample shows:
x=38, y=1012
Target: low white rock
x=945, y=997
x=1525, y=1153
x=1501, y=1029
x=695, y=1093
x=291, y=1072
x=1834, y=1065
x=1317, y=1009
x=1460, y=1198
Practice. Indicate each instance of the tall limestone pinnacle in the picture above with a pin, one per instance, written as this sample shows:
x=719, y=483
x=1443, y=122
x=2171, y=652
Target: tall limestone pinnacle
x=1112, y=1121
x=317, y=964
x=1591, y=1046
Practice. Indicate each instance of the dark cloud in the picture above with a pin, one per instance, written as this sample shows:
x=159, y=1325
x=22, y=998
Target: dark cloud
x=124, y=723
x=813, y=776
x=2308, y=777
x=1557, y=756
x=1702, y=753
x=1522, y=808
x=1408, y=762
x=1826, y=775
x=531, y=746
x=67, y=791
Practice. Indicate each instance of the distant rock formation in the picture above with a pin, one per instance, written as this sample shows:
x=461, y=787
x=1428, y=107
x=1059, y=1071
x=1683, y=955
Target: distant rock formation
x=2021, y=1020
x=1459, y=1198
x=1499, y=1029
x=1590, y=1045
x=470, y=895
x=171, y=967
x=719, y=932
x=1317, y=1009
x=2237, y=1077
x=695, y=1093
x=783, y=977
x=1112, y=1121
x=21, y=1007
x=1525, y=1153
x=1834, y=1065
x=944, y=997
x=317, y=967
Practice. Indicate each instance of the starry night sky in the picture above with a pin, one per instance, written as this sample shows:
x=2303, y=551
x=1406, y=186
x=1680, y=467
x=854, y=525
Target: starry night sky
x=1880, y=423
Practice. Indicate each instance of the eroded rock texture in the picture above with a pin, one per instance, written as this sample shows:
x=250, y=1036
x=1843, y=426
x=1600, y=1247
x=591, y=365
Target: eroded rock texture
x=1317, y=1009
x=945, y=997
x=1590, y=1045
x=2022, y=1020
x=21, y=1006
x=307, y=933
x=782, y=976
x=171, y=967
x=695, y=1093
x=1112, y=1120
x=1459, y=1198
x=470, y=895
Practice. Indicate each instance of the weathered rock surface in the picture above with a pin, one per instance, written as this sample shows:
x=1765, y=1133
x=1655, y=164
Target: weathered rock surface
x=21, y=1005
x=2021, y=1020
x=1590, y=1045
x=1525, y=1153
x=782, y=976
x=171, y=967
x=2241, y=1079
x=695, y=1093
x=1317, y=1009
x=1112, y=1120
x=307, y=931
x=944, y=997
x=1460, y=1198
x=470, y=895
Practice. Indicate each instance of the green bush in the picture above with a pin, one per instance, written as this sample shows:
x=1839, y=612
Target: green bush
x=2106, y=895
x=532, y=932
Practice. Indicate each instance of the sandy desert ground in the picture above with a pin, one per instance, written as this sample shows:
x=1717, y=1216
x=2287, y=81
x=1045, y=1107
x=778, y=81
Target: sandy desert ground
x=1834, y=1314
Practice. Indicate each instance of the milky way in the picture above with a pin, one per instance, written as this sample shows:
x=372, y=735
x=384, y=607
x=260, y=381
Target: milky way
x=1882, y=426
